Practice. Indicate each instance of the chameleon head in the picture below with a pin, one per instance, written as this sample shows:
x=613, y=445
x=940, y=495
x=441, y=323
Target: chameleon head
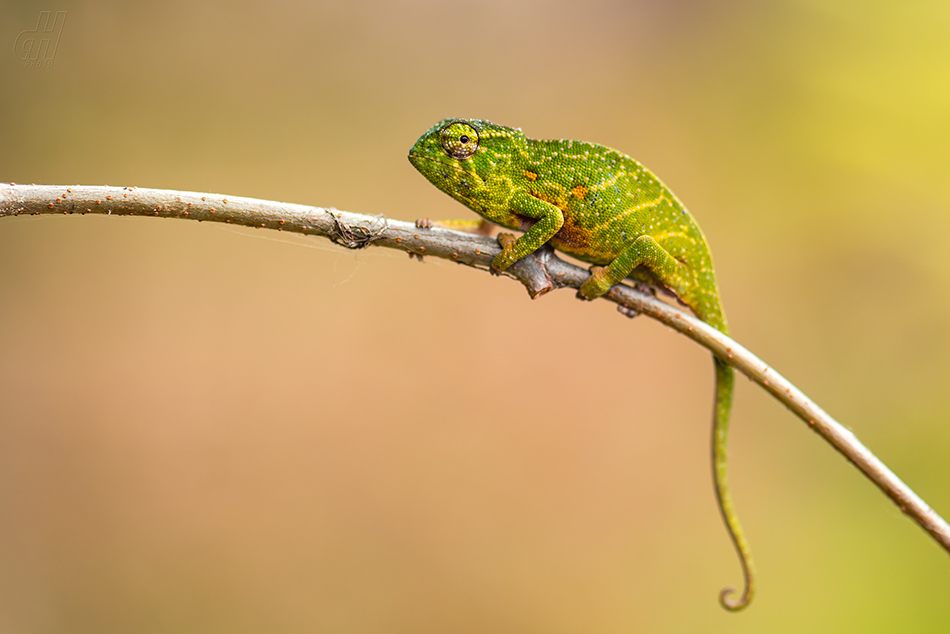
x=459, y=156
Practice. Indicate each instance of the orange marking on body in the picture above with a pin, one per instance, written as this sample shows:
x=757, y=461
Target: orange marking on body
x=571, y=234
x=557, y=202
x=531, y=176
x=579, y=191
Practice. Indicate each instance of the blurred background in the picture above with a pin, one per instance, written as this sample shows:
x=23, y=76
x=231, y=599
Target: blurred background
x=214, y=429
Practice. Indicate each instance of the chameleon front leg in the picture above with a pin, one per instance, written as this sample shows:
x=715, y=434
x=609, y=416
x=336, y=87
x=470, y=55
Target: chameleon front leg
x=644, y=251
x=549, y=221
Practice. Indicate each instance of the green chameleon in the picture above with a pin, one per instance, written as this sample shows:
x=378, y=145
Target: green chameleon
x=599, y=206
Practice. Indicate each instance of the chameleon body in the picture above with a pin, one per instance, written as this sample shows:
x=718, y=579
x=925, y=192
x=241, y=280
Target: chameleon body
x=602, y=207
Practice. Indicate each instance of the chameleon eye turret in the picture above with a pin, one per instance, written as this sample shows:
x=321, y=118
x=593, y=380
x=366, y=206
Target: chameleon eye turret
x=459, y=140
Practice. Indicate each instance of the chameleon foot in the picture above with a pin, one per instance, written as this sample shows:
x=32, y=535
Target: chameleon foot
x=595, y=285
x=504, y=259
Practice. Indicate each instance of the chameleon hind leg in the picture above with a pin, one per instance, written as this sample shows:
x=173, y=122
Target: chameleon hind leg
x=644, y=251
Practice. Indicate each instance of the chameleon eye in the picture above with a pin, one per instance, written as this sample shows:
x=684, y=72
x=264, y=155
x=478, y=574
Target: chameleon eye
x=459, y=140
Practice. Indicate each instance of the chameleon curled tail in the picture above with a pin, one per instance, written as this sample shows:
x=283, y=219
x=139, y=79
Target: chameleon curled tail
x=725, y=383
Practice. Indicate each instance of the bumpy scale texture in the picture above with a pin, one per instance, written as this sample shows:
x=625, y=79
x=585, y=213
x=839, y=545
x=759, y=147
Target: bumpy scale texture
x=602, y=207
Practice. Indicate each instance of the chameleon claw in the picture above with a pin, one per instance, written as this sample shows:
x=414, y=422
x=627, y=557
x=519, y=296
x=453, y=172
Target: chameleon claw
x=626, y=311
x=646, y=289
x=423, y=223
x=506, y=240
x=504, y=259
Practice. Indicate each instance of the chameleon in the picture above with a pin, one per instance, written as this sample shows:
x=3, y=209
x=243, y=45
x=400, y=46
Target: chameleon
x=601, y=207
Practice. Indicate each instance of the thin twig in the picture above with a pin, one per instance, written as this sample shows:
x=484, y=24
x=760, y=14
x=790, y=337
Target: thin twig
x=540, y=273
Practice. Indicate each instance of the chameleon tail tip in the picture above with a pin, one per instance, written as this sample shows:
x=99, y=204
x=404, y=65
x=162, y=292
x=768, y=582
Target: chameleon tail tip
x=735, y=606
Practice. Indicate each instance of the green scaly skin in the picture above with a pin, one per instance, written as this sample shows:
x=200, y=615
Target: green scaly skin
x=602, y=207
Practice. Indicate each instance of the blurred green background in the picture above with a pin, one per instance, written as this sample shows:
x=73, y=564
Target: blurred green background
x=210, y=429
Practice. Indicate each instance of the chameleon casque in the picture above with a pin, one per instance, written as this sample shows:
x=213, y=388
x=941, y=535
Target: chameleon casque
x=602, y=207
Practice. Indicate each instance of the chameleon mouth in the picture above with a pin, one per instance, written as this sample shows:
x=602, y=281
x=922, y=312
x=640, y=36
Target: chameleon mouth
x=417, y=159
x=424, y=164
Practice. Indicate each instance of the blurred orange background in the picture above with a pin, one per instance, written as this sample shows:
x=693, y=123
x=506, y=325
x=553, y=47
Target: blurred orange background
x=213, y=429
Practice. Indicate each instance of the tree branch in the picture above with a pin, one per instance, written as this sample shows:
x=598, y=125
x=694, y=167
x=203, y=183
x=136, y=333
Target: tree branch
x=540, y=273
